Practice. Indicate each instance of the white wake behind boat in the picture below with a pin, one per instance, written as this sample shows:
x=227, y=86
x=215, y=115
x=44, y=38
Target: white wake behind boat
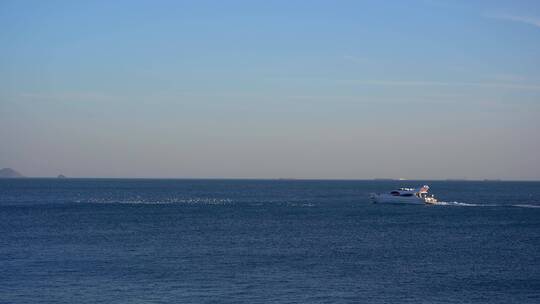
x=405, y=196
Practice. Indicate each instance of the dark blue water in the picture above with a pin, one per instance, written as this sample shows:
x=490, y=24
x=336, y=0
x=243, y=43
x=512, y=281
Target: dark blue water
x=249, y=241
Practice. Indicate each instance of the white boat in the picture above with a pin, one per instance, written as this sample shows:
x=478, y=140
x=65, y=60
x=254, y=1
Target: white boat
x=405, y=196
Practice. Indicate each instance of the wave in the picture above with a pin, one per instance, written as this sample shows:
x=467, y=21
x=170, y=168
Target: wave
x=300, y=204
x=459, y=204
x=486, y=205
x=190, y=201
x=526, y=206
x=185, y=201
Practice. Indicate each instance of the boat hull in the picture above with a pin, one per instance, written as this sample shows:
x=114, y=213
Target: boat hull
x=399, y=200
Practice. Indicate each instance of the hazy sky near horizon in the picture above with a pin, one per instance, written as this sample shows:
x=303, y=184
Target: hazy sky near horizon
x=269, y=89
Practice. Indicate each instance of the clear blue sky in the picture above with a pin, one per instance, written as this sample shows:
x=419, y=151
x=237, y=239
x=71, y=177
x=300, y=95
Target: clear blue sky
x=266, y=89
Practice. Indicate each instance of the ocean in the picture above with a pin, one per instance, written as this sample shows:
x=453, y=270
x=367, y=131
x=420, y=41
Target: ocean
x=266, y=241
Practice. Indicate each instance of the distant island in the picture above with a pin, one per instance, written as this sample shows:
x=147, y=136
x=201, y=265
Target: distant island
x=9, y=173
x=61, y=176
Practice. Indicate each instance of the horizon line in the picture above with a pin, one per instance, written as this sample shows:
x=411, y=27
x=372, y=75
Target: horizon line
x=283, y=179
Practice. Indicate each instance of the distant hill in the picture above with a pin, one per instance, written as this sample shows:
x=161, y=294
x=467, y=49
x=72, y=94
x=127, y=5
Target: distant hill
x=9, y=173
x=61, y=176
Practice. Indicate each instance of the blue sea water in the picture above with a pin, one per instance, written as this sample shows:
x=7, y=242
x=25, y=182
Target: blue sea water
x=266, y=241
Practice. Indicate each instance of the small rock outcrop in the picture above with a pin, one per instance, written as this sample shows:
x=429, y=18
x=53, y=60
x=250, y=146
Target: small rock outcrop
x=9, y=173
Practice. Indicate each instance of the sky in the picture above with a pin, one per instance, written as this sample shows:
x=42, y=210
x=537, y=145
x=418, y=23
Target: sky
x=271, y=89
